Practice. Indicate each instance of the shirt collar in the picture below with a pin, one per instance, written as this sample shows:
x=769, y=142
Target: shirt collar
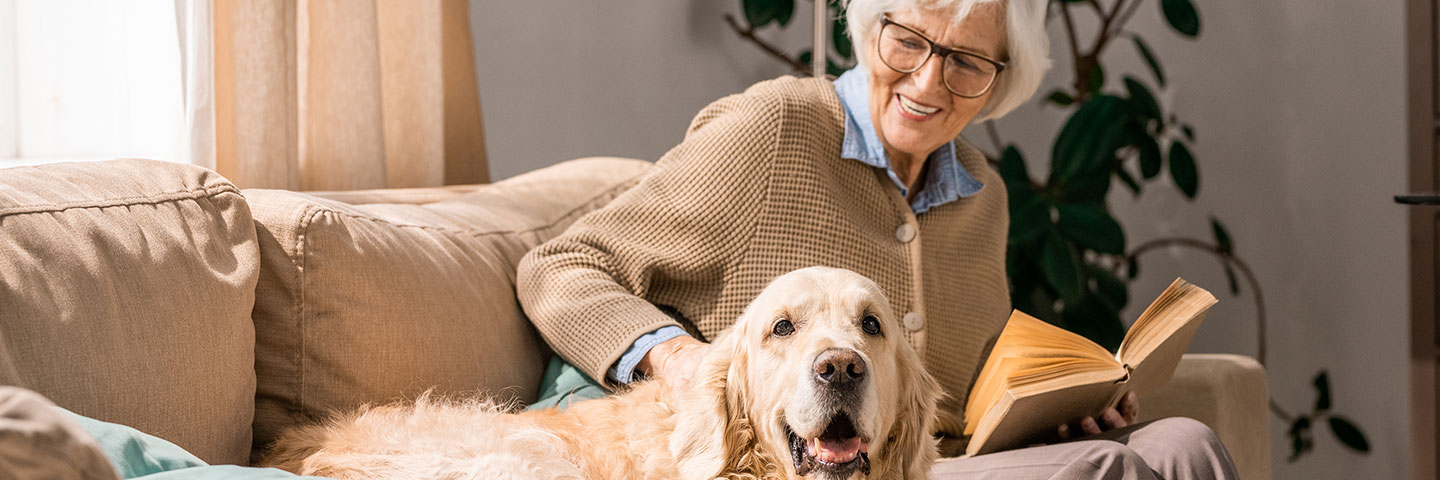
x=946, y=179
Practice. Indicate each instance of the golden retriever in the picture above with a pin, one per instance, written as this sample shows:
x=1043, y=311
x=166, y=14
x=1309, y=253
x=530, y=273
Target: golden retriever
x=815, y=380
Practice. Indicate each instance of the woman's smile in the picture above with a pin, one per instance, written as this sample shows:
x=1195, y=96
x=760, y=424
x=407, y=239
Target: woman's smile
x=913, y=110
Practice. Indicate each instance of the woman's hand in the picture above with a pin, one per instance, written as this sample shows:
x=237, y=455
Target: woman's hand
x=1109, y=419
x=674, y=361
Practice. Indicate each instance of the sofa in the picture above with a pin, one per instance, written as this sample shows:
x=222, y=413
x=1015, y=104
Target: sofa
x=160, y=296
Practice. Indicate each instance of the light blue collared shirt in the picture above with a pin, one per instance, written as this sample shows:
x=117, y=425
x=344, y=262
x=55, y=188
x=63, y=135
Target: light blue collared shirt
x=945, y=181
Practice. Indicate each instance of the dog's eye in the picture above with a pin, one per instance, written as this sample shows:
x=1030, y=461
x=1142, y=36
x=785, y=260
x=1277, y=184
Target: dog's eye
x=783, y=328
x=870, y=324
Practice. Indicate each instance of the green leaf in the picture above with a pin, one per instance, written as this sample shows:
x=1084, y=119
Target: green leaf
x=1042, y=305
x=1322, y=391
x=1189, y=132
x=1300, y=425
x=1030, y=221
x=1094, y=320
x=1097, y=78
x=1133, y=269
x=1090, y=226
x=840, y=39
x=1128, y=180
x=1150, y=160
x=1059, y=97
x=1222, y=237
x=1300, y=439
x=1182, y=16
x=1150, y=60
x=1081, y=159
x=1062, y=267
x=1016, y=176
x=785, y=9
x=1230, y=276
x=1108, y=288
x=1142, y=99
x=761, y=12
x=1182, y=169
x=1348, y=434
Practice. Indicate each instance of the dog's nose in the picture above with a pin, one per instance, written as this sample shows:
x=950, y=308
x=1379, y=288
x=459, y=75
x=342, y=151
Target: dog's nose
x=839, y=367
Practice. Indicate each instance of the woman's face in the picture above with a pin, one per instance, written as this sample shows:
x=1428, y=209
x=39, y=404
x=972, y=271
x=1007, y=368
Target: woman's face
x=936, y=116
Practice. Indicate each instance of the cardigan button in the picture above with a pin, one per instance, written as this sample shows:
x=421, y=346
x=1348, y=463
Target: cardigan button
x=913, y=321
x=905, y=233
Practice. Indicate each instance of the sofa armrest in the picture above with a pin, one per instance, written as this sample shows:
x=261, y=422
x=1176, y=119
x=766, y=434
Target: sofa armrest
x=1229, y=394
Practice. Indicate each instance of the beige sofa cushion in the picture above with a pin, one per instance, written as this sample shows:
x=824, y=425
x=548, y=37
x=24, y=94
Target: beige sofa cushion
x=1228, y=393
x=125, y=295
x=380, y=301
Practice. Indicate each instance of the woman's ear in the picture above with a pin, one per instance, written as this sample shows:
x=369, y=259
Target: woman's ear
x=709, y=414
x=913, y=448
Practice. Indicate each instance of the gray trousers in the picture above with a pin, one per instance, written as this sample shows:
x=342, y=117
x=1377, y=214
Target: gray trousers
x=1171, y=448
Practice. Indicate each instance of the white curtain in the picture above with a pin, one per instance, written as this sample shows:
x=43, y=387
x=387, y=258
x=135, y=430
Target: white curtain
x=333, y=94
x=193, y=23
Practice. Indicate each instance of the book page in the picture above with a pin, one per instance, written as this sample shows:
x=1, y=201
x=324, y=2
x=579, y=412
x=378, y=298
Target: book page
x=1157, y=340
x=1039, y=376
x=1030, y=350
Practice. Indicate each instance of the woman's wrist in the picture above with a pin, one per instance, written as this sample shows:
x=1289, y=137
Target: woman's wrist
x=653, y=363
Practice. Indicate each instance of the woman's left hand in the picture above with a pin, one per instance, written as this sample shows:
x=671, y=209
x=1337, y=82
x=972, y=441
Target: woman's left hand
x=1109, y=419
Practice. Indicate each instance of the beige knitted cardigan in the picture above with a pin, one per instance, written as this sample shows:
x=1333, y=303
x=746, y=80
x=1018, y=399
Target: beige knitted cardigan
x=757, y=189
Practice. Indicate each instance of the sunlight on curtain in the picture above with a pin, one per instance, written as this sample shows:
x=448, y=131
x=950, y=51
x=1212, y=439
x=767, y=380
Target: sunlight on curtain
x=93, y=79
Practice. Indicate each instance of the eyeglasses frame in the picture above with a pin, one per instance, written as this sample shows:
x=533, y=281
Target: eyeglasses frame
x=943, y=52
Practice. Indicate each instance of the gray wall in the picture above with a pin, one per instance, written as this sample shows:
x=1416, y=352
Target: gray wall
x=1299, y=112
x=620, y=77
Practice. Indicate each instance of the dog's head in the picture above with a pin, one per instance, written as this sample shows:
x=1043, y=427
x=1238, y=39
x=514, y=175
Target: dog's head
x=815, y=380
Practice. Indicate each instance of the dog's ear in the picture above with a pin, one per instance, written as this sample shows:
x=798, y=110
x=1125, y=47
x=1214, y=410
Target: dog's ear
x=710, y=426
x=913, y=448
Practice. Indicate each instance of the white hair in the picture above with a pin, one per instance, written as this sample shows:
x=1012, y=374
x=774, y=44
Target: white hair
x=1026, y=43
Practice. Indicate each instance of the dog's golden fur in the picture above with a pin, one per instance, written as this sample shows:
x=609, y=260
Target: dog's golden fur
x=749, y=392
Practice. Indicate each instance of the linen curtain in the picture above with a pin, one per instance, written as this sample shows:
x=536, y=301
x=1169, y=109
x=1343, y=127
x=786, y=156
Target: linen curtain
x=344, y=94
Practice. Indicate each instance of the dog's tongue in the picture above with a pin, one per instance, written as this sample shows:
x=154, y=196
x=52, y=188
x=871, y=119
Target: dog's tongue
x=837, y=451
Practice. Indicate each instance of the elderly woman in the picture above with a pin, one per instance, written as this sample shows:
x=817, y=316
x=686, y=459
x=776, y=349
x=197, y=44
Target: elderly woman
x=866, y=173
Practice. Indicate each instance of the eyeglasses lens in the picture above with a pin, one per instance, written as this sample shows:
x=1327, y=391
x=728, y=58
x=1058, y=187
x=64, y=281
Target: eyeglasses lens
x=905, y=51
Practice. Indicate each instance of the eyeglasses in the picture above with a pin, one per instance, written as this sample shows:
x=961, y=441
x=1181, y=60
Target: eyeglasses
x=905, y=50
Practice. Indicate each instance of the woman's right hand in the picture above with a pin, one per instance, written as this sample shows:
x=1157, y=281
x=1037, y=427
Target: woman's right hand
x=674, y=361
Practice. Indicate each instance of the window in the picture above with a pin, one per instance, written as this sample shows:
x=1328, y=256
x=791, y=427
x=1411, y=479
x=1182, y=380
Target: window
x=90, y=80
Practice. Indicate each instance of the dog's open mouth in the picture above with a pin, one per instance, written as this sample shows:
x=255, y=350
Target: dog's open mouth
x=838, y=451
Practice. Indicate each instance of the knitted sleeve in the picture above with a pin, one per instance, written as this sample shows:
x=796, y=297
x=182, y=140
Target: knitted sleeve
x=592, y=291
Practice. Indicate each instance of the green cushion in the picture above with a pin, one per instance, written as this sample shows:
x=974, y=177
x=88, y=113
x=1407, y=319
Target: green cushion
x=564, y=384
x=136, y=454
x=227, y=472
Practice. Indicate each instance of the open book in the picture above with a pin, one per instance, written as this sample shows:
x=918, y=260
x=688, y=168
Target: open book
x=1040, y=376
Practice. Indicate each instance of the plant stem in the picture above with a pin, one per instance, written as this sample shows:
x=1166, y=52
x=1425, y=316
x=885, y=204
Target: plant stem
x=1226, y=257
x=1107, y=21
x=1280, y=412
x=1074, y=44
x=1125, y=18
x=748, y=33
x=1249, y=278
x=1096, y=5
